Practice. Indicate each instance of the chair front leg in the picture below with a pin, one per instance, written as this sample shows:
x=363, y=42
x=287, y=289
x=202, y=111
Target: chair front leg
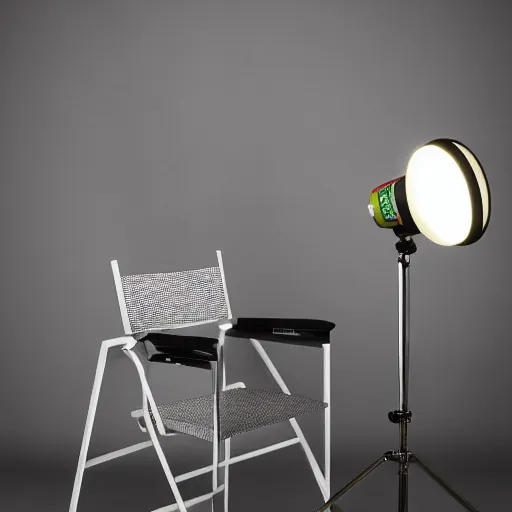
x=327, y=417
x=227, y=455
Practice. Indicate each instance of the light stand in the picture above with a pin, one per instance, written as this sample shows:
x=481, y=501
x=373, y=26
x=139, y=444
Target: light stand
x=405, y=247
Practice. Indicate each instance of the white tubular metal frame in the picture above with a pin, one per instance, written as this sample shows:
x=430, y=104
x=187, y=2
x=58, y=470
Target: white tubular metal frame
x=120, y=297
x=221, y=448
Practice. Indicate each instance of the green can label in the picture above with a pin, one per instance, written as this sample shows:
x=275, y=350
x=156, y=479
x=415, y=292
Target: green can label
x=386, y=203
x=383, y=202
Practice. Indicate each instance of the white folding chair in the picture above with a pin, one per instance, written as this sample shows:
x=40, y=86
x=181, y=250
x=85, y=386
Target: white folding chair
x=154, y=304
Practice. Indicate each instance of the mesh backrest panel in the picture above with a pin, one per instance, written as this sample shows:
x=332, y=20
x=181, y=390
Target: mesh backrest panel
x=166, y=301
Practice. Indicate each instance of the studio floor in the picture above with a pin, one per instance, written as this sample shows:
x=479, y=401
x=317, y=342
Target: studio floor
x=269, y=483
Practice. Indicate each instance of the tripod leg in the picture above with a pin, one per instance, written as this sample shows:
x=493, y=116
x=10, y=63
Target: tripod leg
x=352, y=483
x=403, y=487
x=456, y=496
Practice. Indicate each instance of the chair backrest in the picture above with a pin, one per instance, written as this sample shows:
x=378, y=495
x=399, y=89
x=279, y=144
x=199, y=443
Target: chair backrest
x=153, y=302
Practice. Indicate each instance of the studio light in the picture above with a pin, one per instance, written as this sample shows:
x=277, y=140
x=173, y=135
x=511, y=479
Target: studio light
x=444, y=195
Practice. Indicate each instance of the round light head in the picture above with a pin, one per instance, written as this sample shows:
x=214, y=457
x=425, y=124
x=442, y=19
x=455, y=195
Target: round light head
x=447, y=193
x=444, y=195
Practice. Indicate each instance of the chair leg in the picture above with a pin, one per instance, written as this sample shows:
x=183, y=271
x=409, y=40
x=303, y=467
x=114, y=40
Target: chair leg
x=215, y=471
x=219, y=382
x=163, y=460
x=146, y=395
x=82, y=459
x=227, y=455
x=327, y=419
x=218, y=477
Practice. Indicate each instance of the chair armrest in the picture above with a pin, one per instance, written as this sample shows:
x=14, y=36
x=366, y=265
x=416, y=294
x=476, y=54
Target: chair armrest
x=196, y=351
x=291, y=331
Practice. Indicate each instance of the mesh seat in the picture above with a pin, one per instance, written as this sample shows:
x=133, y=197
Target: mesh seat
x=241, y=410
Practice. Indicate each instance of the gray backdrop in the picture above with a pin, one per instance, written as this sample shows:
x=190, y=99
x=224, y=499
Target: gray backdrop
x=156, y=132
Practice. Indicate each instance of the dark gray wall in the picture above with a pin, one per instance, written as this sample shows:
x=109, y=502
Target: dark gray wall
x=156, y=132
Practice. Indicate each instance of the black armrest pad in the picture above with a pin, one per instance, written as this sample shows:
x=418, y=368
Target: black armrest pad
x=197, y=351
x=292, y=331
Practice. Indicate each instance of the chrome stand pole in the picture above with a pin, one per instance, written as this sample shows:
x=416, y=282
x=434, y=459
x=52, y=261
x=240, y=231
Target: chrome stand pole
x=402, y=416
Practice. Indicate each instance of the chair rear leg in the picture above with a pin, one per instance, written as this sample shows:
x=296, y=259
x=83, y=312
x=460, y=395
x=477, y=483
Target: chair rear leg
x=146, y=396
x=163, y=460
x=218, y=477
